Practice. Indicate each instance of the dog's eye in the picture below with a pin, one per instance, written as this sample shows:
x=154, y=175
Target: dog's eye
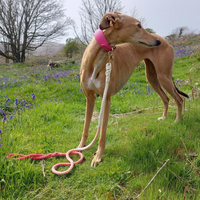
x=139, y=25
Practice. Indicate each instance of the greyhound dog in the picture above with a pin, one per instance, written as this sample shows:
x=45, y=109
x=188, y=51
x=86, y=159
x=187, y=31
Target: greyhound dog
x=133, y=44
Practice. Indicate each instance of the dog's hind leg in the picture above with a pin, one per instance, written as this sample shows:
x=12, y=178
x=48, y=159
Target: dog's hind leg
x=90, y=101
x=163, y=63
x=168, y=84
x=153, y=80
x=102, y=141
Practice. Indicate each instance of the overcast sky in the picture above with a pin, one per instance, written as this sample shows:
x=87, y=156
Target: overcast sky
x=163, y=16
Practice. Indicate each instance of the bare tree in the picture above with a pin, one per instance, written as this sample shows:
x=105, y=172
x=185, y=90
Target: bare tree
x=176, y=33
x=134, y=13
x=91, y=12
x=26, y=24
x=180, y=31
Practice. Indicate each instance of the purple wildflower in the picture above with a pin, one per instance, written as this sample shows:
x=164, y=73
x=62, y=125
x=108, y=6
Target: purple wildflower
x=0, y=131
x=25, y=76
x=33, y=96
x=1, y=144
x=10, y=117
x=24, y=103
x=1, y=111
x=16, y=101
x=134, y=91
x=8, y=100
x=4, y=119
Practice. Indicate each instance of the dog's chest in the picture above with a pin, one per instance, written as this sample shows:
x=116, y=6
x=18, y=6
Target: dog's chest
x=93, y=83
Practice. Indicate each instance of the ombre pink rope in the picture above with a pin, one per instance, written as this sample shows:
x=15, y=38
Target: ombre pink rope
x=72, y=151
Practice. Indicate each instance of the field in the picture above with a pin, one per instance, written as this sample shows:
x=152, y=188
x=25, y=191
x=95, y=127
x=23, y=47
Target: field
x=43, y=111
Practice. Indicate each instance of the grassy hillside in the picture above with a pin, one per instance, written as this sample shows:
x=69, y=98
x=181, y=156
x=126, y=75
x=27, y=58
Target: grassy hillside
x=43, y=111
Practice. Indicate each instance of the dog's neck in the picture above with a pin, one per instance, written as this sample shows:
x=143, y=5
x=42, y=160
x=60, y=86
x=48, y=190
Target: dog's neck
x=93, y=53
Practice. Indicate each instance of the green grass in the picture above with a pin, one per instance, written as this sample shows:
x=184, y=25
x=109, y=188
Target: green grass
x=136, y=144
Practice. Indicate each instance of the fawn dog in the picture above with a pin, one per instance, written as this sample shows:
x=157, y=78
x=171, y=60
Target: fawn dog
x=133, y=44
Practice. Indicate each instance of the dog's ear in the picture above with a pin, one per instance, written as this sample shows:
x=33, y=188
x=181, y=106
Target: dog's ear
x=110, y=19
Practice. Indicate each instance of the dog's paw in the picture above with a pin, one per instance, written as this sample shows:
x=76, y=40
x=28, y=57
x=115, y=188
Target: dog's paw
x=161, y=118
x=96, y=160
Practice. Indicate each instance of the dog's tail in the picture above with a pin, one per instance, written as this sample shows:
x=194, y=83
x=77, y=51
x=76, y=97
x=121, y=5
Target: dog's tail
x=180, y=92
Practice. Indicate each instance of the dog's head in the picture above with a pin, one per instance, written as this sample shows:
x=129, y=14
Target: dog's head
x=121, y=28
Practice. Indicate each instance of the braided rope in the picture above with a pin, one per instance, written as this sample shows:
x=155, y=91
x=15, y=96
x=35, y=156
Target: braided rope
x=75, y=151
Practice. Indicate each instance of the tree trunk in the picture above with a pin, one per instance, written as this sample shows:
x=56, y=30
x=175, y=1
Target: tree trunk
x=6, y=49
x=23, y=56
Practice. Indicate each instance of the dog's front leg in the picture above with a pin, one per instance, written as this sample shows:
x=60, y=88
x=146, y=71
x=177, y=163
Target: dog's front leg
x=102, y=140
x=88, y=116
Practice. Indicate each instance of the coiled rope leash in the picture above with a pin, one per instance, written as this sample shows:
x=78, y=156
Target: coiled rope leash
x=75, y=151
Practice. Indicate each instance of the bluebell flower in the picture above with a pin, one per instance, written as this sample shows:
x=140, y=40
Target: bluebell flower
x=33, y=96
x=24, y=103
x=25, y=76
x=1, y=111
x=10, y=117
x=0, y=131
x=1, y=144
x=8, y=100
x=134, y=92
x=16, y=101
x=4, y=119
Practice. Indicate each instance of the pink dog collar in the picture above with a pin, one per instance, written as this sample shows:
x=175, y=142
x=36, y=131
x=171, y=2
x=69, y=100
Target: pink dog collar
x=101, y=40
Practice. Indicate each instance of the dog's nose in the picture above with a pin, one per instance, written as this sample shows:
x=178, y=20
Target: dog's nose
x=158, y=42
